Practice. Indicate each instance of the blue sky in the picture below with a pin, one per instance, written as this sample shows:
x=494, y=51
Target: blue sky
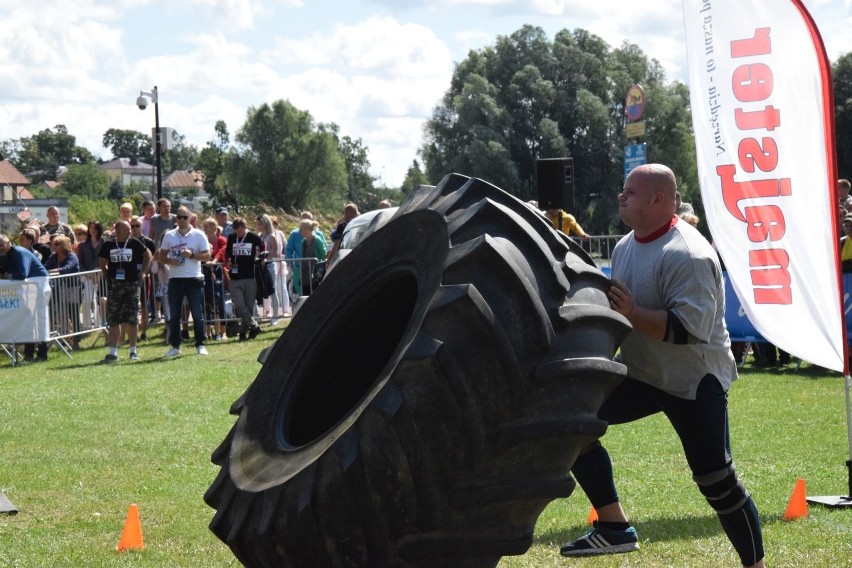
x=377, y=68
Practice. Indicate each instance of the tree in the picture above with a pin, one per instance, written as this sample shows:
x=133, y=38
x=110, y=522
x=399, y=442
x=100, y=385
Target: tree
x=129, y=144
x=284, y=159
x=359, y=182
x=116, y=191
x=413, y=177
x=842, y=73
x=82, y=209
x=527, y=98
x=180, y=156
x=39, y=156
x=211, y=161
x=86, y=180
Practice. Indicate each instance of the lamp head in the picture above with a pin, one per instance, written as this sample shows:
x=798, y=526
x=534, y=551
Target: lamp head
x=142, y=102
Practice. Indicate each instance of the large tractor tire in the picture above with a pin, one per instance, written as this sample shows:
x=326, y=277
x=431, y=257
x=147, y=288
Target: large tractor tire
x=428, y=400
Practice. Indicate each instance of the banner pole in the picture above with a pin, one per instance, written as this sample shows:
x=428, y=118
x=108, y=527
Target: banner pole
x=842, y=500
x=848, y=379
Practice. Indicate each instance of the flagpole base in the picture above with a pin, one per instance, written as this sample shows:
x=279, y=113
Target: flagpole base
x=832, y=501
x=6, y=507
x=835, y=501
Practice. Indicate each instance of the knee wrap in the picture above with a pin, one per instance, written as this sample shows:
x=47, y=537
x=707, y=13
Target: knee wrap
x=723, y=491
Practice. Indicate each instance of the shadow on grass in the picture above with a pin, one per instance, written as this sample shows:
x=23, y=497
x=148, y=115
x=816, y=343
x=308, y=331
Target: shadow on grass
x=658, y=529
x=663, y=528
x=806, y=371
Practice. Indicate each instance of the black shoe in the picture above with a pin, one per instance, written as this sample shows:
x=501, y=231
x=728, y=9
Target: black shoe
x=242, y=336
x=143, y=337
x=253, y=331
x=601, y=540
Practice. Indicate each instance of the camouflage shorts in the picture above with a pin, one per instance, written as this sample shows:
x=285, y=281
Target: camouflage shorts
x=122, y=302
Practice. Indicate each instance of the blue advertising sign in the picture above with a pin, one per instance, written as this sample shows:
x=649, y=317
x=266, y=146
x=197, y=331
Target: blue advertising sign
x=741, y=329
x=634, y=155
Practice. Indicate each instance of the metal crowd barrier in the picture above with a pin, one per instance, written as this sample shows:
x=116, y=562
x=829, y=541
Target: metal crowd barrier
x=295, y=267
x=218, y=308
x=599, y=247
x=77, y=307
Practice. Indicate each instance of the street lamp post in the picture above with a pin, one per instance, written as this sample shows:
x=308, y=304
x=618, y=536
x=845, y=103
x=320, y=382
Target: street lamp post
x=142, y=103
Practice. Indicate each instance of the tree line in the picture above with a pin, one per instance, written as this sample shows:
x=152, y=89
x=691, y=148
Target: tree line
x=523, y=98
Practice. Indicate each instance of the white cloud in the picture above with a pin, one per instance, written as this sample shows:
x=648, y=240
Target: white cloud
x=45, y=55
x=372, y=78
x=235, y=14
x=214, y=63
x=379, y=45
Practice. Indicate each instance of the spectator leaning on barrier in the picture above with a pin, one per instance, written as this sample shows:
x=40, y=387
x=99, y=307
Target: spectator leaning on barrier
x=123, y=261
x=22, y=264
x=846, y=244
x=183, y=249
x=66, y=291
x=88, y=252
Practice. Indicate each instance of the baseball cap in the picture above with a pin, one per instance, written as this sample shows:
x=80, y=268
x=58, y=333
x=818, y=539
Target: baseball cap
x=221, y=210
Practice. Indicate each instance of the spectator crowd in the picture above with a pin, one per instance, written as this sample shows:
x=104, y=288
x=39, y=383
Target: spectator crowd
x=221, y=276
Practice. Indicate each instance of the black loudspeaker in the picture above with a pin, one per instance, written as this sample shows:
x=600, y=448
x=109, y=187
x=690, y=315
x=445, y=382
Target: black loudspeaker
x=555, y=178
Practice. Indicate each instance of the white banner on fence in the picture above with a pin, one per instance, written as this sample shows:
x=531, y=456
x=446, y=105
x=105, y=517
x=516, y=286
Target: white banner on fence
x=760, y=92
x=19, y=305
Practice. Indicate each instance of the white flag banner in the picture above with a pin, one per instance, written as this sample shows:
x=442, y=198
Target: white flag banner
x=761, y=100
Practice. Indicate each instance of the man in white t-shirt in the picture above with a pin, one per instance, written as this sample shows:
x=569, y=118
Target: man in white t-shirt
x=183, y=249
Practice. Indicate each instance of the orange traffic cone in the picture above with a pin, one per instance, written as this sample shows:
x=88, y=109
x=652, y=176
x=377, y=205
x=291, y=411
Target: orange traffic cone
x=593, y=515
x=131, y=536
x=798, y=505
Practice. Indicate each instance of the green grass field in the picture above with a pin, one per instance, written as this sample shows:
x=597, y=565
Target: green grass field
x=80, y=442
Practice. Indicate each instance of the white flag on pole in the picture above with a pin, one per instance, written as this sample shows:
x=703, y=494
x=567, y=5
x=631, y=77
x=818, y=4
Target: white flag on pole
x=762, y=115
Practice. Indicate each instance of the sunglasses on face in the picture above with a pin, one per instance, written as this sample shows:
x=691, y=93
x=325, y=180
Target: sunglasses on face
x=183, y=216
x=135, y=226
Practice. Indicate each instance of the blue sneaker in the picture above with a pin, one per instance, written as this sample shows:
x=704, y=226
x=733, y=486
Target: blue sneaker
x=601, y=540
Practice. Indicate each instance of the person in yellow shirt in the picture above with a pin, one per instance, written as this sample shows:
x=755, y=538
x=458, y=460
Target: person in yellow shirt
x=846, y=244
x=569, y=223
